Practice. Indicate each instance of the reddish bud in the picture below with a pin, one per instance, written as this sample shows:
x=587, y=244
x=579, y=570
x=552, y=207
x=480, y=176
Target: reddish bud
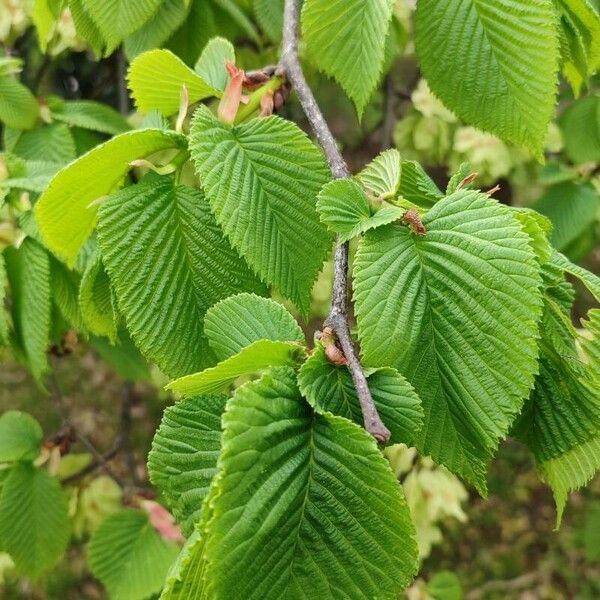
x=413, y=220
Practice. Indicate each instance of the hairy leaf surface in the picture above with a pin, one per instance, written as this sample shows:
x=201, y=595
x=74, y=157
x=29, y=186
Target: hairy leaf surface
x=313, y=508
x=346, y=40
x=492, y=63
x=168, y=262
x=66, y=211
x=455, y=311
x=183, y=459
x=238, y=321
x=262, y=179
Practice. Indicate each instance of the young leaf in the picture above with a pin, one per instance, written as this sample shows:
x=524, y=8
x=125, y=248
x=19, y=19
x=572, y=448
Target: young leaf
x=211, y=64
x=65, y=285
x=382, y=176
x=493, y=64
x=589, y=279
x=129, y=557
x=85, y=26
x=96, y=301
x=34, y=520
x=238, y=321
x=345, y=39
x=580, y=124
x=183, y=459
x=165, y=273
x=116, y=19
x=91, y=115
x=262, y=178
x=455, y=311
x=256, y=357
x=18, y=106
x=314, y=491
x=66, y=211
x=330, y=389
x=54, y=143
x=345, y=209
x=20, y=437
x=156, y=78
x=29, y=277
x=185, y=579
x=417, y=187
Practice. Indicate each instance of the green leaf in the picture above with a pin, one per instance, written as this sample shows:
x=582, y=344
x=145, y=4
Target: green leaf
x=34, y=520
x=464, y=170
x=183, y=459
x=4, y=326
x=116, y=19
x=382, y=176
x=129, y=557
x=345, y=209
x=313, y=508
x=91, y=115
x=269, y=15
x=44, y=21
x=589, y=279
x=580, y=124
x=85, y=26
x=581, y=46
x=164, y=274
x=54, y=143
x=96, y=301
x=560, y=423
x=156, y=78
x=65, y=292
x=29, y=278
x=572, y=208
x=20, y=437
x=238, y=321
x=493, y=64
x=539, y=229
x=346, y=40
x=262, y=178
x=66, y=211
x=37, y=177
x=417, y=187
x=330, y=389
x=445, y=585
x=425, y=303
x=123, y=357
x=256, y=357
x=211, y=64
x=18, y=106
x=171, y=14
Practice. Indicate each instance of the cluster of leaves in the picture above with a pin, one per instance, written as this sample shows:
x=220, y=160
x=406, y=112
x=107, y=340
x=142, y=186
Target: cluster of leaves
x=176, y=232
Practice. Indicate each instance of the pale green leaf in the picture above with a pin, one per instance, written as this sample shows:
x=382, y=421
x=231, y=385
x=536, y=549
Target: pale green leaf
x=96, y=301
x=171, y=14
x=53, y=143
x=262, y=178
x=183, y=459
x=116, y=19
x=20, y=437
x=493, y=63
x=313, y=511
x=29, y=277
x=238, y=321
x=44, y=21
x=345, y=209
x=65, y=292
x=92, y=115
x=168, y=263
x=37, y=177
x=4, y=325
x=382, y=176
x=211, y=64
x=34, y=520
x=464, y=170
x=85, y=26
x=129, y=557
x=66, y=211
x=18, y=106
x=539, y=229
x=455, y=311
x=417, y=187
x=589, y=279
x=156, y=78
x=329, y=388
x=258, y=356
x=346, y=40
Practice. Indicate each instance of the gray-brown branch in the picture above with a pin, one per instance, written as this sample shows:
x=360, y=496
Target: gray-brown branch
x=338, y=316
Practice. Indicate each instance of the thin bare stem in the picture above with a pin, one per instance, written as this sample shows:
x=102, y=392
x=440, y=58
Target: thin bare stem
x=338, y=316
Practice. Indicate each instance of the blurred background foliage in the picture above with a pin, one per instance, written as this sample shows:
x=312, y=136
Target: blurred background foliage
x=500, y=547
